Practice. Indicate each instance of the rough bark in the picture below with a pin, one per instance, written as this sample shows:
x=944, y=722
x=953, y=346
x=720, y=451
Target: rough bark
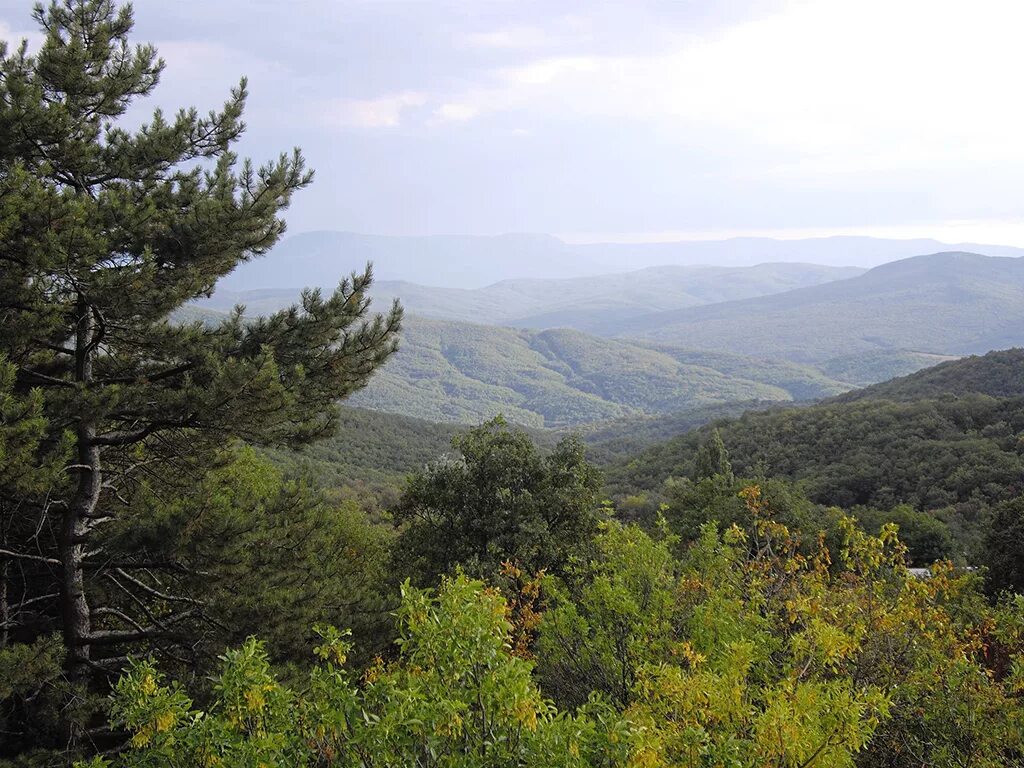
x=75, y=613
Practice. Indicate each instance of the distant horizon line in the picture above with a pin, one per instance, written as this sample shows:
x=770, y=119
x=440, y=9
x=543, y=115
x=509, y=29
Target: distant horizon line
x=1006, y=234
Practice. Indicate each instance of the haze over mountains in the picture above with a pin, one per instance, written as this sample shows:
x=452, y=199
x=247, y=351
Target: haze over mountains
x=660, y=340
x=597, y=304
x=319, y=258
x=946, y=303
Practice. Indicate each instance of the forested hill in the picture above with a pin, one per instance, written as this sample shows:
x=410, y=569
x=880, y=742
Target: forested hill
x=997, y=374
x=945, y=303
x=464, y=373
x=600, y=303
x=953, y=456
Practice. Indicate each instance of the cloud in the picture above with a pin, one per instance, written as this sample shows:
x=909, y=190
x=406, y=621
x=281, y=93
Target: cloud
x=819, y=86
x=513, y=37
x=381, y=112
x=454, y=112
x=521, y=87
x=13, y=37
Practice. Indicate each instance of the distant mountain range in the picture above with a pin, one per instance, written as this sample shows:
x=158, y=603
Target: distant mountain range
x=945, y=304
x=596, y=304
x=320, y=259
x=671, y=339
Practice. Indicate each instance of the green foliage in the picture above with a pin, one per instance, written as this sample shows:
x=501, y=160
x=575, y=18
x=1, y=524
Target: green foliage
x=996, y=374
x=457, y=372
x=107, y=230
x=607, y=618
x=371, y=453
x=499, y=500
x=1005, y=547
x=690, y=504
x=614, y=442
x=927, y=538
x=749, y=651
x=865, y=368
x=258, y=553
x=755, y=651
x=27, y=463
x=31, y=680
x=455, y=696
x=951, y=458
x=713, y=459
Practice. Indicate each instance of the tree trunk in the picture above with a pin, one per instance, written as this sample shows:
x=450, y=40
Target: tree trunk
x=75, y=613
x=75, y=525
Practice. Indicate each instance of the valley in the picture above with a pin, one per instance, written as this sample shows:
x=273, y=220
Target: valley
x=687, y=470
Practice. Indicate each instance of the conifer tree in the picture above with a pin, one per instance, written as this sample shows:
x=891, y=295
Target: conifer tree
x=713, y=459
x=104, y=233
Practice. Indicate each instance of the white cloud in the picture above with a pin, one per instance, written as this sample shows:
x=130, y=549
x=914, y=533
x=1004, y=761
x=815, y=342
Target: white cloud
x=381, y=112
x=13, y=37
x=519, y=36
x=520, y=87
x=454, y=112
x=821, y=86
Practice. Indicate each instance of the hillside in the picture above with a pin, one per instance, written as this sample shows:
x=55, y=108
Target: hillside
x=464, y=373
x=609, y=443
x=867, y=368
x=945, y=303
x=937, y=440
x=997, y=374
x=598, y=304
x=370, y=454
x=320, y=258
x=595, y=304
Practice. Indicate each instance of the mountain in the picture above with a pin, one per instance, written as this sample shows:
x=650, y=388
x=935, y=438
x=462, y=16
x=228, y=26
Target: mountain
x=864, y=368
x=997, y=374
x=612, y=442
x=320, y=259
x=946, y=303
x=946, y=440
x=370, y=449
x=466, y=373
x=593, y=304
x=598, y=304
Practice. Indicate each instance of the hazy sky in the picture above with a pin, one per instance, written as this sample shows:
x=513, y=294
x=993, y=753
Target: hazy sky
x=620, y=120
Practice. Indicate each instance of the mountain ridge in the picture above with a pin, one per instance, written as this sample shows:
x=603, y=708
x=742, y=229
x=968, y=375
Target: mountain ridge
x=594, y=304
x=320, y=258
x=466, y=373
x=950, y=303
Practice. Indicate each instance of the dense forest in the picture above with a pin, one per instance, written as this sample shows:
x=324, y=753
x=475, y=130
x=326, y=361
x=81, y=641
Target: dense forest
x=209, y=558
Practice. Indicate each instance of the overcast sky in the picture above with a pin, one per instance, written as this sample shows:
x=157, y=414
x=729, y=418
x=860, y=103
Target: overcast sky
x=620, y=120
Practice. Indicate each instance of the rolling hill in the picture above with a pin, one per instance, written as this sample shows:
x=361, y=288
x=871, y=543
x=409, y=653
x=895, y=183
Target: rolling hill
x=595, y=304
x=947, y=440
x=996, y=374
x=465, y=373
x=598, y=304
x=945, y=303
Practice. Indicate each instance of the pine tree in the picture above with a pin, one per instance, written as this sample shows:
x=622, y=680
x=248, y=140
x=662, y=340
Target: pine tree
x=712, y=459
x=105, y=233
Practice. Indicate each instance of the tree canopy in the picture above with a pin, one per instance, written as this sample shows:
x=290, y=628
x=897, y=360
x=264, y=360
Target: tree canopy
x=106, y=231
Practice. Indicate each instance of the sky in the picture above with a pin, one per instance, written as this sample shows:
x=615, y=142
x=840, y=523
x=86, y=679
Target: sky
x=618, y=121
